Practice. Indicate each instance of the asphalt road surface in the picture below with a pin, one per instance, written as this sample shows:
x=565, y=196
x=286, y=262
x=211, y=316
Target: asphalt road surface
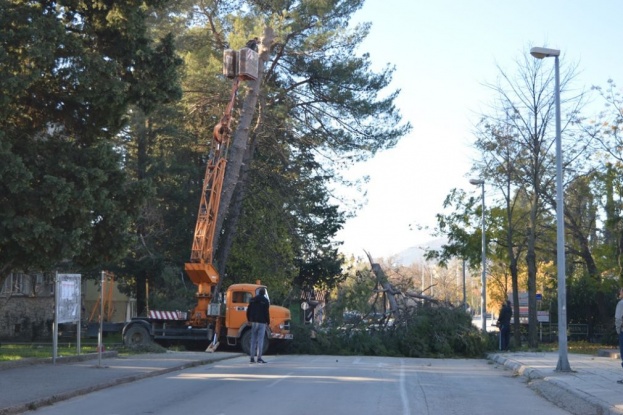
x=311, y=385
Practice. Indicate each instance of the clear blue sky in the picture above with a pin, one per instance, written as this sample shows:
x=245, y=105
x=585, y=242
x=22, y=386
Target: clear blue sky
x=444, y=50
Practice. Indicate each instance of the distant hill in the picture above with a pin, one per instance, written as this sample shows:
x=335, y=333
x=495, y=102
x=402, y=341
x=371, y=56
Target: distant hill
x=415, y=254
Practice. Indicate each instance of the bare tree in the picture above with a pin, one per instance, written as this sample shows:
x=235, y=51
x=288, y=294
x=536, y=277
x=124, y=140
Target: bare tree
x=518, y=155
x=609, y=124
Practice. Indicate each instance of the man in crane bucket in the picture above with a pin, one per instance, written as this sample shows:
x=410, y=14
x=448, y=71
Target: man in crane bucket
x=259, y=316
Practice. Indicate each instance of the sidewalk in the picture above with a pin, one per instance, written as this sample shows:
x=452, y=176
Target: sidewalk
x=589, y=388
x=31, y=384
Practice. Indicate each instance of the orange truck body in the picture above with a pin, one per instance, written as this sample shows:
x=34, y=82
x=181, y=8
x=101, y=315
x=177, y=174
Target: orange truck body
x=221, y=323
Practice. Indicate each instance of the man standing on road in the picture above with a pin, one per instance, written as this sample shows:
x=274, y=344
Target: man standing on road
x=618, y=321
x=504, y=323
x=259, y=316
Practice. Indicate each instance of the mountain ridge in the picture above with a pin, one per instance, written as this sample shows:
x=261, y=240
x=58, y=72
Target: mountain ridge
x=415, y=254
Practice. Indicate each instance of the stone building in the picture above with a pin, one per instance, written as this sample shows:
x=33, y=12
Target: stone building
x=27, y=307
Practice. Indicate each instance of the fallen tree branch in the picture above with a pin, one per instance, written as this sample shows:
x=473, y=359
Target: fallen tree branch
x=422, y=297
x=384, y=282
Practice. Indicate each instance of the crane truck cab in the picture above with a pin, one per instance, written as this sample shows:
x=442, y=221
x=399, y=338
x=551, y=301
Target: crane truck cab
x=239, y=329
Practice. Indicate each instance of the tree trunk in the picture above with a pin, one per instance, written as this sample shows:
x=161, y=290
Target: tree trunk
x=382, y=279
x=141, y=293
x=239, y=145
x=231, y=223
x=532, y=270
x=516, y=322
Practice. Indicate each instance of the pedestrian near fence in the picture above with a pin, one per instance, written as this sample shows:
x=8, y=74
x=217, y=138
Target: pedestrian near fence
x=504, y=323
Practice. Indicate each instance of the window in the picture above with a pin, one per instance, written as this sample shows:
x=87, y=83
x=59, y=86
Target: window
x=38, y=283
x=241, y=297
x=34, y=285
x=14, y=284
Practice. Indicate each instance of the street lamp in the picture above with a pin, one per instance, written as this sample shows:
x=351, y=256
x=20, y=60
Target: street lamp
x=483, y=278
x=563, y=361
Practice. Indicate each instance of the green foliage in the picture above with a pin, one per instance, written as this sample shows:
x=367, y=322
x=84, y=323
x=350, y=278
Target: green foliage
x=307, y=340
x=591, y=302
x=459, y=228
x=68, y=74
x=173, y=291
x=430, y=332
x=352, y=295
x=150, y=347
x=610, y=338
x=160, y=155
x=286, y=229
x=581, y=295
x=263, y=248
x=441, y=332
x=75, y=205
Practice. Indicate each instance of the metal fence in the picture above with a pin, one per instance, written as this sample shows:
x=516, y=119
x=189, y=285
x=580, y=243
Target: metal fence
x=548, y=332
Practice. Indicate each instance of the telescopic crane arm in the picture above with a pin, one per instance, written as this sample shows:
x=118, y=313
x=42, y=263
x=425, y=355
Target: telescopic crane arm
x=201, y=269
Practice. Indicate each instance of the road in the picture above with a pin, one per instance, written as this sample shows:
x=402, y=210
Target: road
x=306, y=385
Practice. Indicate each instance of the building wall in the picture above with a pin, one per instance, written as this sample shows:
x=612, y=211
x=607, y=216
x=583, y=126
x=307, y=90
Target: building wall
x=27, y=306
x=26, y=317
x=117, y=307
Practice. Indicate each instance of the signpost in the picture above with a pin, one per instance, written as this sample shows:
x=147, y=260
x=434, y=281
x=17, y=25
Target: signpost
x=542, y=316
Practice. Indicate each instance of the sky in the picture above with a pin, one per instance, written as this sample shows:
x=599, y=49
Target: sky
x=444, y=52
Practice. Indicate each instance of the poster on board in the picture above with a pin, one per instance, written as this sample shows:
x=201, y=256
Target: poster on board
x=68, y=300
x=67, y=307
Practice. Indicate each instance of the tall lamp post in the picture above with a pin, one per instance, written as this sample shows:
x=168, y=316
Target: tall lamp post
x=563, y=361
x=483, y=278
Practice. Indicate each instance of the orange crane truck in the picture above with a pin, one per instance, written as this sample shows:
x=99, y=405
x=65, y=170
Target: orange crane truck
x=213, y=320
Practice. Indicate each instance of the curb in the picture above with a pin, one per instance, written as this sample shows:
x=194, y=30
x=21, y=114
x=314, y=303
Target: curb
x=574, y=401
x=518, y=368
x=559, y=393
x=31, y=361
x=611, y=353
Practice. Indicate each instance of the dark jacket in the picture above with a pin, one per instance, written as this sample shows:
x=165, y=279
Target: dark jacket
x=505, y=316
x=257, y=311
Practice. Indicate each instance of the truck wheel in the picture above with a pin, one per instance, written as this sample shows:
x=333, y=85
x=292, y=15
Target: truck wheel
x=136, y=335
x=245, y=343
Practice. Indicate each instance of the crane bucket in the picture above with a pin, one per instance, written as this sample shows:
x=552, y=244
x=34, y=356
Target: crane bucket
x=201, y=273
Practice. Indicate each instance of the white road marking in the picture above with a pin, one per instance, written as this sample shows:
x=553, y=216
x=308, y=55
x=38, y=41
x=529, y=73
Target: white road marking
x=403, y=390
x=279, y=380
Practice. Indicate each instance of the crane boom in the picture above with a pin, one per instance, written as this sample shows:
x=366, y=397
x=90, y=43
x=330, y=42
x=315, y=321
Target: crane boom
x=201, y=269
x=241, y=65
